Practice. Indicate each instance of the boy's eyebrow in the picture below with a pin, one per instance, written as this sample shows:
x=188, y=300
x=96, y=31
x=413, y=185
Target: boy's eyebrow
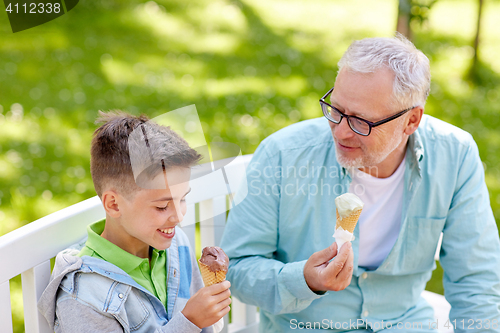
x=170, y=198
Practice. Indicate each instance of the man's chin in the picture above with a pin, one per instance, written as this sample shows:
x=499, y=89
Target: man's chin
x=349, y=162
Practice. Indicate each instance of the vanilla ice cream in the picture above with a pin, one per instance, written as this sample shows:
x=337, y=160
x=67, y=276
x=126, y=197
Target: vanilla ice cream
x=347, y=204
x=349, y=208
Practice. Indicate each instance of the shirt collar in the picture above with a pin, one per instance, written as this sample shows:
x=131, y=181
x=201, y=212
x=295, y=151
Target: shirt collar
x=416, y=151
x=111, y=252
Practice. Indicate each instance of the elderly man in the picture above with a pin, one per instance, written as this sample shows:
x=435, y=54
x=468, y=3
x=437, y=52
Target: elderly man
x=418, y=177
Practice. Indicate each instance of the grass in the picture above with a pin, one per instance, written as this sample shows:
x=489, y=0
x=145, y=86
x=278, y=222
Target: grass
x=250, y=67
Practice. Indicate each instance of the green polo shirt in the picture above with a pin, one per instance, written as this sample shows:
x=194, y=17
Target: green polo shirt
x=152, y=278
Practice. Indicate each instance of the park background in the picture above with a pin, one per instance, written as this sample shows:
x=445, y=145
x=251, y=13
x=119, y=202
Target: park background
x=251, y=67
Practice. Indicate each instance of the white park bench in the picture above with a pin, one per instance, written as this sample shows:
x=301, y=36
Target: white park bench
x=29, y=249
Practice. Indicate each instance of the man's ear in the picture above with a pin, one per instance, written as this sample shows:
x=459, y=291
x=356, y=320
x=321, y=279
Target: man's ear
x=413, y=120
x=110, y=200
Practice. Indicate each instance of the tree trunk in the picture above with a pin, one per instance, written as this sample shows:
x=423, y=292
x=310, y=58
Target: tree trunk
x=404, y=15
x=475, y=59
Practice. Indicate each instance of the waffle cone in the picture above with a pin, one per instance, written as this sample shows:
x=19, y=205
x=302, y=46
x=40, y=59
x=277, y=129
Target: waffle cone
x=348, y=223
x=209, y=277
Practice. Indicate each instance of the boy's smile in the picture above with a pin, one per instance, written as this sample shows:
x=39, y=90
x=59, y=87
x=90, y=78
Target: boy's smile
x=149, y=217
x=168, y=231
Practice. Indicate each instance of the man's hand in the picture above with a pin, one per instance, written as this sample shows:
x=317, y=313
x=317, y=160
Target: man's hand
x=322, y=275
x=208, y=305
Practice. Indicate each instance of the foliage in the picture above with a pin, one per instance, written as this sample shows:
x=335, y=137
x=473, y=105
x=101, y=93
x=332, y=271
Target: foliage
x=435, y=284
x=419, y=12
x=413, y=15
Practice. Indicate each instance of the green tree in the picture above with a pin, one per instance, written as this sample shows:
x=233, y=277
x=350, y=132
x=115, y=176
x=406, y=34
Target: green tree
x=475, y=59
x=412, y=13
x=403, y=21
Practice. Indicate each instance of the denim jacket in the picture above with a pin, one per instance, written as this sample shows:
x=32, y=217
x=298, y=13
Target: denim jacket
x=92, y=295
x=289, y=213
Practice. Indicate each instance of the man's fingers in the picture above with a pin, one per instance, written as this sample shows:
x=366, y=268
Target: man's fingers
x=324, y=255
x=334, y=248
x=334, y=267
x=346, y=271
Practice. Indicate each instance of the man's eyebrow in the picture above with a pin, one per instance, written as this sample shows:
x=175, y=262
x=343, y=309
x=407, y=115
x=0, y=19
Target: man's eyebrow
x=170, y=198
x=355, y=113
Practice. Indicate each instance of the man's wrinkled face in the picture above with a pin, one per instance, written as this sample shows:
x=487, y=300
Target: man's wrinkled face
x=367, y=96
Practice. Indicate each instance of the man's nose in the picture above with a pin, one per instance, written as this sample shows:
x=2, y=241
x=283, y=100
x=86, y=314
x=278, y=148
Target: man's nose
x=342, y=130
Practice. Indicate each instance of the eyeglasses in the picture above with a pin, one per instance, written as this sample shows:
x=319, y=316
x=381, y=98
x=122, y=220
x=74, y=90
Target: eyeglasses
x=358, y=125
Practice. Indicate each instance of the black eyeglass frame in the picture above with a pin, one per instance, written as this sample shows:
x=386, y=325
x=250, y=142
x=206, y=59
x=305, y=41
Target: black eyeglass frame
x=343, y=115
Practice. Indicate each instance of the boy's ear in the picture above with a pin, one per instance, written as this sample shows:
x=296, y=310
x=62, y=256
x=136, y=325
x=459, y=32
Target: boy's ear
x=110, y=200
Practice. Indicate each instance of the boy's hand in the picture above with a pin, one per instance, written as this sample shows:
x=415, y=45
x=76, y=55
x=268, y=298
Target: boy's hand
x=208, y=305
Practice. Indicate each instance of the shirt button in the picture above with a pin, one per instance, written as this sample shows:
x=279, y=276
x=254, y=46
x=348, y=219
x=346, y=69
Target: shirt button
x=366, y=313
x=120, y=296
x=364, y=275
x=175, y=272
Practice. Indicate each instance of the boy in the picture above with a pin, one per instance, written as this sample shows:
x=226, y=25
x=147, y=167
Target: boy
x=124, y=280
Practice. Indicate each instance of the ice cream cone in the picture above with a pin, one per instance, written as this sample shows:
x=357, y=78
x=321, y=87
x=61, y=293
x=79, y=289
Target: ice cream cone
x=209, y=277
x=213, y=265
x=349, y=222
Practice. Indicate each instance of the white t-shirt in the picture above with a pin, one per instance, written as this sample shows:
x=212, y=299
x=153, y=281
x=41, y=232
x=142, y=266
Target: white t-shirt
x=380, y=220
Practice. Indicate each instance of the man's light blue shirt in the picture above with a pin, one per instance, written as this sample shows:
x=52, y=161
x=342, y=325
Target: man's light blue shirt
x=289, y=213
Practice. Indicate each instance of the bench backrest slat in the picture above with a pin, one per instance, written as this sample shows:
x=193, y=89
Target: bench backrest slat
x=38, y=241
x=243, y=315
x=34, y=281
x=5, y=308
x=189, y=224
x=219, y=221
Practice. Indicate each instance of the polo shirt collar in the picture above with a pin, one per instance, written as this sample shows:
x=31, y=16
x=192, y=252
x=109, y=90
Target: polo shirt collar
x=113, y=253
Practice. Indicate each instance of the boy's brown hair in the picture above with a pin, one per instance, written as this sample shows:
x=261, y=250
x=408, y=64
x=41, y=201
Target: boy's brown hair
x=110, y=164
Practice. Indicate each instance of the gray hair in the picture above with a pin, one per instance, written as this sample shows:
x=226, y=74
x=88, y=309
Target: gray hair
x=411, y=67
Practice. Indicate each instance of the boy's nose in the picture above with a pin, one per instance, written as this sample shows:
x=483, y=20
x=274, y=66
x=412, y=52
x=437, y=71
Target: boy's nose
x=177, y=215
